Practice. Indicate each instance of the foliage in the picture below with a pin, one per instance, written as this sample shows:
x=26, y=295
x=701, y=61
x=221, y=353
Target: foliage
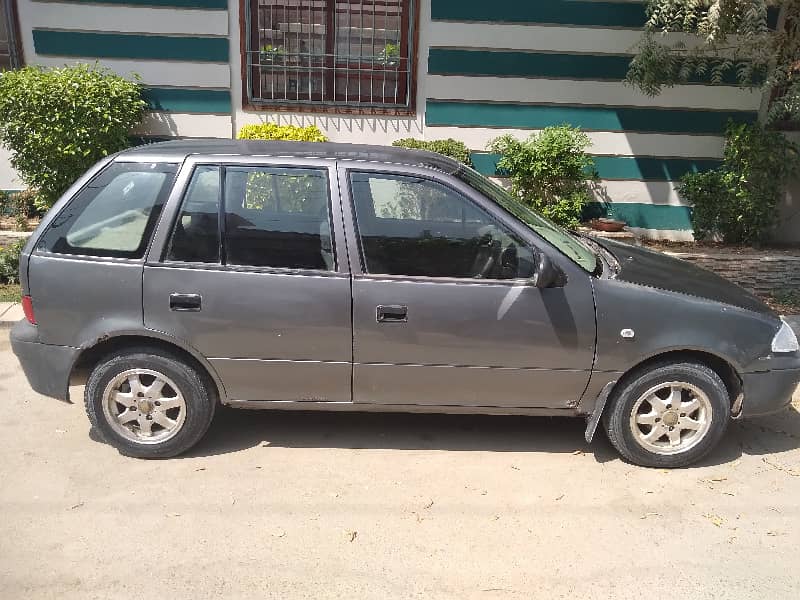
x=389, y=55
x=9, y=262
x=59, y=122
x=20, y=205
x=270, y=53
x=734, y=39
x=286, y=193
x=550, y=171
x=273, y=131
x=449, y=147
x=10, y=292
x=738, y=201
x=788, y=297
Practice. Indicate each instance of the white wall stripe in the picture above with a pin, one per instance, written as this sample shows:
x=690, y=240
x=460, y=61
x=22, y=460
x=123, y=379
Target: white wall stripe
x=604, y=142
x=156, y=73
x=628, y=192
x=9, y=178
x=562, y=91
x=537, y=37
x=184, y=125
x=650, y=192
x=673, y=235
x=343, y=128
x=129, y=19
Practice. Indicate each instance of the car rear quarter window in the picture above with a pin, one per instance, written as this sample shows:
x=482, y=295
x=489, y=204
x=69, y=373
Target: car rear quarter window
x=114, y=214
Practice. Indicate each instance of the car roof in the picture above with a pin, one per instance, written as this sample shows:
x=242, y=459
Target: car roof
x=180, y=149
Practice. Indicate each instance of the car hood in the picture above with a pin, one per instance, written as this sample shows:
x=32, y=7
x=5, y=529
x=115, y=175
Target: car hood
x=654, y=269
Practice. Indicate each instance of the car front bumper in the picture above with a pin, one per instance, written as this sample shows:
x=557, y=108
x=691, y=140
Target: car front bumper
x=769, y=391
x=46, y=366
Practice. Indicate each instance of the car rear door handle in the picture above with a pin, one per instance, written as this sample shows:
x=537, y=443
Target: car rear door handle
x=185, y=302
x=393, y=313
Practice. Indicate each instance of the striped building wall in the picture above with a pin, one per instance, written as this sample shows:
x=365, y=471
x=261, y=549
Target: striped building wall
x=484, y=69
x=516, y=67
x=179, y=48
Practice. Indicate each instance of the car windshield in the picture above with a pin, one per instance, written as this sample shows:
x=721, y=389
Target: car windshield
x=568, y=243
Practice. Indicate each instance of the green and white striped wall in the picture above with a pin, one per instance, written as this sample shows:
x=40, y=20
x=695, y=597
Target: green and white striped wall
x=484, y=69
x=179, y=48
x=516, y=67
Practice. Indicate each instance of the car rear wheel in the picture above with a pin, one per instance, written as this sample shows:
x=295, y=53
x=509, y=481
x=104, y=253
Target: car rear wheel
x=149, y=403
x=668, y=414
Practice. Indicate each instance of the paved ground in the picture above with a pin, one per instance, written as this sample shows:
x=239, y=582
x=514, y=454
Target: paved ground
x=388, y=506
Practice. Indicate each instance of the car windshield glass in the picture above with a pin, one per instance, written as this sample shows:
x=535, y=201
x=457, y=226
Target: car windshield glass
x=566, y=242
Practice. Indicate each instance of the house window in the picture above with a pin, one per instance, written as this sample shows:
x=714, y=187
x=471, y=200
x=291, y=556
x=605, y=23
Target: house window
x=10, y=54
x=354, y=53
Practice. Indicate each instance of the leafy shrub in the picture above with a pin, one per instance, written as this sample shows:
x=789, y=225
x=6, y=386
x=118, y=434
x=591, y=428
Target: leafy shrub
x=737, y=202
x=550, y=171
x=449, y=147
x=788, y=297
x=272, y=131
x=59, y=122
x=9, y=262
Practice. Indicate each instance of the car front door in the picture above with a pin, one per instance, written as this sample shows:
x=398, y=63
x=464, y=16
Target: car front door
x=444, y=311
x=251, y=272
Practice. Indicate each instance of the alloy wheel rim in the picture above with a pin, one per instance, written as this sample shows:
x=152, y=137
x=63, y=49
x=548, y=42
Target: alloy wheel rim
x=671, y=418
x=144, y=406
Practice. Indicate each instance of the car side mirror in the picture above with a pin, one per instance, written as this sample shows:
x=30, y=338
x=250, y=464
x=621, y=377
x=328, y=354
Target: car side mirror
x=547, y=273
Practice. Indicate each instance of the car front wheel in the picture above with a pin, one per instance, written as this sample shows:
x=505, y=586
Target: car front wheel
x=668, y=414
x=149, y=403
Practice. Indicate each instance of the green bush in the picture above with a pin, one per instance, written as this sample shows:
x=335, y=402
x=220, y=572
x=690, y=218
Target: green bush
x=550, y=171
x=9, y=262
x=59, y=122
x=737, y=202
x=788, y=297
x=272, y=131
x=449, y=147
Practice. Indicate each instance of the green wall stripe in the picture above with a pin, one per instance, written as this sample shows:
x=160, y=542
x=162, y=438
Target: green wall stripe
x=641, y=168
x=559, y=12
x=646, y=216
x=648, y=168
x=445, y=61
x=591, y=118
x=186, y=100
x=124, y=45
x=201, y=4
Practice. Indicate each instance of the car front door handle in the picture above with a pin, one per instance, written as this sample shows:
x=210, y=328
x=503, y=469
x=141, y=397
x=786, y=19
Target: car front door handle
x=185, y=302
x=392, y=313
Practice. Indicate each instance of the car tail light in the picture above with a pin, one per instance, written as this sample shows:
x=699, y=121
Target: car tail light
x=27, y=307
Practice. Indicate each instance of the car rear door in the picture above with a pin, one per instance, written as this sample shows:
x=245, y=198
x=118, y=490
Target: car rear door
x=249, y=268
x=444, y=312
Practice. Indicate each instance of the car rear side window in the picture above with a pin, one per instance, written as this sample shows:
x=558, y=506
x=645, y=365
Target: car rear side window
x=418, y=227
x=277, y=217
x=114, y=215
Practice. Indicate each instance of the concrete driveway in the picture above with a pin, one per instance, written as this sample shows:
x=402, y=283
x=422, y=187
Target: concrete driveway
x=353, y=506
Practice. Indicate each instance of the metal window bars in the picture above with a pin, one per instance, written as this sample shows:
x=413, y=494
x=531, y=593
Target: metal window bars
x=330, y=52
x=9, y=44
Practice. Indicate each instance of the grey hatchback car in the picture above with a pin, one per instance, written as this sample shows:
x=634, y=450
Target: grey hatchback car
x=180, y=276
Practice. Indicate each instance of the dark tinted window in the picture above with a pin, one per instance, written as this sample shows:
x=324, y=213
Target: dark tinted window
x=277, y=217
x=417, y=227
x=196, y=234
x=114, y=215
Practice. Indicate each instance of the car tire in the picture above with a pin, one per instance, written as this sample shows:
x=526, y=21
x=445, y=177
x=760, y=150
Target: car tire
x=149, y=403
x=667, y=414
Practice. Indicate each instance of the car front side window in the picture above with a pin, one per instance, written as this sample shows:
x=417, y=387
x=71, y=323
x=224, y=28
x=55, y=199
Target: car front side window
x=418, y=227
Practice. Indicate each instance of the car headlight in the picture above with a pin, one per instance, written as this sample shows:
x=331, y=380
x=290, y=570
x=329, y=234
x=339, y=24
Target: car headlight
x=785, y=340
